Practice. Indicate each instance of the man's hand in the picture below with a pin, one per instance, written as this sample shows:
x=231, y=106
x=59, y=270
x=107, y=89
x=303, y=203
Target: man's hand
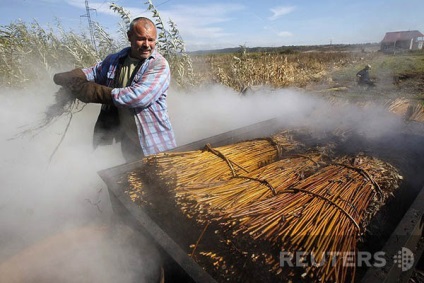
x=71, y=80
x=90, y=92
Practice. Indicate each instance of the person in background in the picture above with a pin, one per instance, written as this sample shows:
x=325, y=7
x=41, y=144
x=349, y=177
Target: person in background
x=363, y=77
x=132, y=87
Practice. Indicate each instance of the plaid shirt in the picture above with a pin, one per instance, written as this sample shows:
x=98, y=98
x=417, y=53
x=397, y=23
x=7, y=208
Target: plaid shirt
x=146, y=95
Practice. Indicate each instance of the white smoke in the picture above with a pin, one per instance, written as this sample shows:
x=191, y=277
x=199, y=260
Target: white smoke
x=215, y=109
x=55, y=215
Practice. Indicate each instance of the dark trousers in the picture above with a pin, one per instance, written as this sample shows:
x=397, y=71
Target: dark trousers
x=130, y=151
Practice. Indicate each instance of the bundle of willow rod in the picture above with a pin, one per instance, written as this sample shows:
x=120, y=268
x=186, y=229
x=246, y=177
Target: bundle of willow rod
x=399, y=106
x=323, y=213
x=417, y=113
x=216, y=164
x=226, y=197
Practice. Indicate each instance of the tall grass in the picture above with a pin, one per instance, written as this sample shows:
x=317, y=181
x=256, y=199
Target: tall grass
x=275, y=69
x=30, y=52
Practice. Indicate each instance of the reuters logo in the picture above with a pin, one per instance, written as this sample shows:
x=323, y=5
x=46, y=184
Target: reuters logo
x=404, y=259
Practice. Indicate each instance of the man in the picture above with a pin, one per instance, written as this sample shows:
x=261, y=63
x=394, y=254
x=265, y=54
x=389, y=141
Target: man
x=132, y=87
x=364, y=77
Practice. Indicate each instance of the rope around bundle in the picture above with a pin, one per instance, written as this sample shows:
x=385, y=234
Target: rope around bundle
x=295, y=190
x=230, y=163
x=175, y=170
x=365, y=173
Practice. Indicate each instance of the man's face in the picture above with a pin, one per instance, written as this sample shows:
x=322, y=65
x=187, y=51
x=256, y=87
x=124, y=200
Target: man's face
x=142, y=39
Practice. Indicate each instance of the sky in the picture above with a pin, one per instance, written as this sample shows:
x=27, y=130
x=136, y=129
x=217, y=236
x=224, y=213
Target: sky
x=221, y=23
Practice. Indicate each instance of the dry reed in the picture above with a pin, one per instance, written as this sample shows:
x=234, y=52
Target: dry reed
x=399, y=106
x=417, y=113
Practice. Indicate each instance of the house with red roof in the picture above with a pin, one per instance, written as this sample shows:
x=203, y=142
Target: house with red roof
x=402, y=40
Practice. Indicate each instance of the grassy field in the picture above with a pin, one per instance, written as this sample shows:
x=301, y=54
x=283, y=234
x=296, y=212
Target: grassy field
x=314, y=70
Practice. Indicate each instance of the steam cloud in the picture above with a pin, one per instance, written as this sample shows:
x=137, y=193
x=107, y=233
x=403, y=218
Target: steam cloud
x=215, y=109
x=61, y=210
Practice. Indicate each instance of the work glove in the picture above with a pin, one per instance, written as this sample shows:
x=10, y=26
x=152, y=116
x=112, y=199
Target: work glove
x=70, y=80
x=91, y=92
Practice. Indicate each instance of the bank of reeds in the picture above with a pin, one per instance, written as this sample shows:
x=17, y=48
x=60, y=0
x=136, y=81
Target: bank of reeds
x=30, y=52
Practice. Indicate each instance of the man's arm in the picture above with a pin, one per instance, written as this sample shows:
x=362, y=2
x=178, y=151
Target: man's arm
x=91, y=92
x=147, y=89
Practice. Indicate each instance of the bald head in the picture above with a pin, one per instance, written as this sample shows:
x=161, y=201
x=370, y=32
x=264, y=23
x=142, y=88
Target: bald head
x=146, y=22
x=142, y=35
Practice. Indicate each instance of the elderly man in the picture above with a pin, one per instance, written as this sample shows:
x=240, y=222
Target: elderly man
x=132, y=87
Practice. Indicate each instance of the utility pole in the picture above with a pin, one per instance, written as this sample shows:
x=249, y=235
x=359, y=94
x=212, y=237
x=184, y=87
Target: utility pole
x=90, y=24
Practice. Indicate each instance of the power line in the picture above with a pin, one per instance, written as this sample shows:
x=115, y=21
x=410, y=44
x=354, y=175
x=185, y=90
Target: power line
x=90, y=24
x=101, y=5
x=162, y=3
x=157, y=5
